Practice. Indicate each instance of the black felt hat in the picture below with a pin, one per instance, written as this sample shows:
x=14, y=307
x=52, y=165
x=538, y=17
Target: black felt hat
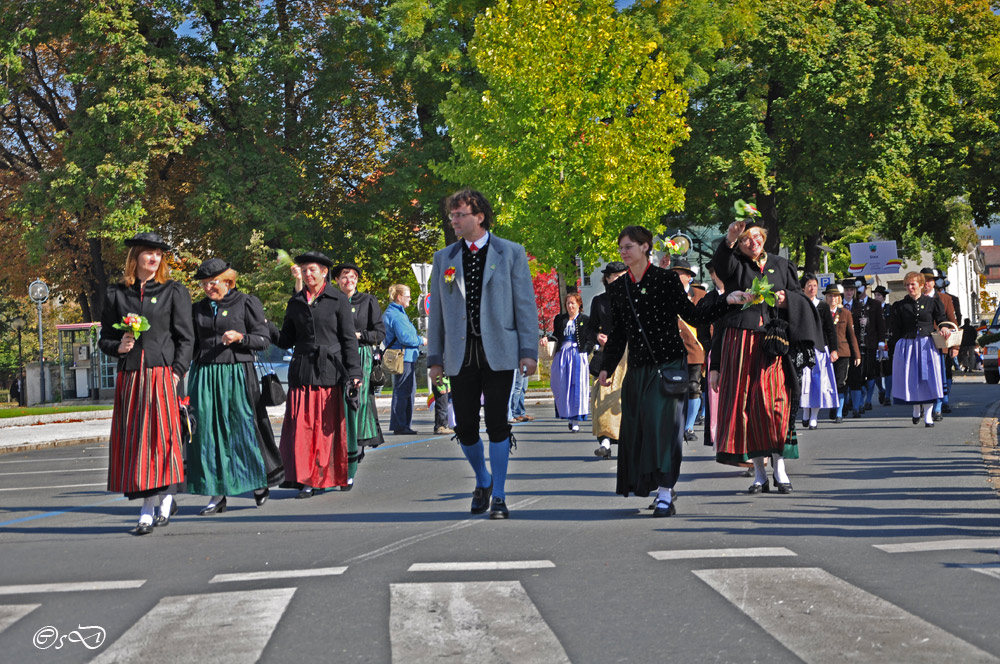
x=850, y=282
x=881, y=290
x=614, y=267
x=147, y=240
x=703, y=287
x=313, y=257
x=929, y=272
x=683, y=265
x=210, y=268
x=834, y=289
x=347, y=265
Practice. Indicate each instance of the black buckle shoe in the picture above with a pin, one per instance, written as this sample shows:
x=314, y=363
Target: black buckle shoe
x=945, y=408
x=498, y=510
x=160, y=520
x=217, y=508
x=260, y=497
x=481, y=498
x=759, y=488
x=662, y=509
x=937, y=417
x=142, y=529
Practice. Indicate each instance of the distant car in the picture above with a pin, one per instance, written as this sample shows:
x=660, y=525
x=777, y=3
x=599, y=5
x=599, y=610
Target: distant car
x=991, y=352
x=277, y=359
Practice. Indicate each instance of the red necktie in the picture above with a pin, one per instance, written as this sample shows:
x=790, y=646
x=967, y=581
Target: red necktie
x=473, y=248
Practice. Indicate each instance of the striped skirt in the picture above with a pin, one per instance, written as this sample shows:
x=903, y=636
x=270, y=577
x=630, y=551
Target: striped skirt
x=225, y=456
x=570, y=381
x=146, y=451
x=314, y=437
x=754, y=409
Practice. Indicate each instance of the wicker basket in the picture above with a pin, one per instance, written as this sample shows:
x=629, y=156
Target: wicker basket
x=952, y=341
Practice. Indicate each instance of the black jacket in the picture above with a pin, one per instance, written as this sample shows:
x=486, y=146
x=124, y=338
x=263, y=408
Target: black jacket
x=170, y=338
x=601, y=318
x=737, y=272
x=874, y=324
x=236, y=311
x=326, y=350
x=367, y=319
x=581, y=337
x=916, y=318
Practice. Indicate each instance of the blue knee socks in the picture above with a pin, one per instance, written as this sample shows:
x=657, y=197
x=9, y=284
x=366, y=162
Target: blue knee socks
x=856, y=400
x=476, y=454
x=499, y=454
x=869, y=391
x=694, y=405
x=840, y=405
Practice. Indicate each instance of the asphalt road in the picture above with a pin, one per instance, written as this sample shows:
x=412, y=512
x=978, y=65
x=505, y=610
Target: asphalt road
x=887, y=550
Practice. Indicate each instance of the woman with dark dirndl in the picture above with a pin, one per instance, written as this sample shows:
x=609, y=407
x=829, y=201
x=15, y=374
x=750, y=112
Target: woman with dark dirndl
x=755, y=389
x=570, y=377
x=233, y=450
x=319, y=325
x=605, y=402
x=146, y=459
x=646, y=303
x=846, y=351
x=363, y=427
x=916, y=369
x=819, y=382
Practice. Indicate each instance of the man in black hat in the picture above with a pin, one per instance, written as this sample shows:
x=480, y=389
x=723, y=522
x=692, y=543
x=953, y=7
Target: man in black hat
x=869, y=328
x=933, y=279
x=605, y=403
x=884, y=380
x=694, y=348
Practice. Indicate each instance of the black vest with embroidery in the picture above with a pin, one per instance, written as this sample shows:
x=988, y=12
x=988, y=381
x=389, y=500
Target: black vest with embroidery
x=473, y=267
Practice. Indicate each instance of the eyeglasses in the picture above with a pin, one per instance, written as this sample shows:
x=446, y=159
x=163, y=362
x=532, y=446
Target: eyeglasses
x=459, y=215
x=626, y=247
x=213, y=282
x=751, y=238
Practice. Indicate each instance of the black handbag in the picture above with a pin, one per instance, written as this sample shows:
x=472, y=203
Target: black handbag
x=377, y=377
x=775, y=341
x=673, y=375
x=272, y=393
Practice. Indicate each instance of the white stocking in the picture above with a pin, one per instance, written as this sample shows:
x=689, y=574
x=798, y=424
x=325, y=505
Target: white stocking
x=916, y=410
x=760, y=472
x=929, y=414
x=779, y=469
x=146, y=513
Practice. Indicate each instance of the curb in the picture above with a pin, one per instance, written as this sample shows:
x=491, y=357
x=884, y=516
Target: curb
x=31, y=447
x=990, y=448
x=55, y=418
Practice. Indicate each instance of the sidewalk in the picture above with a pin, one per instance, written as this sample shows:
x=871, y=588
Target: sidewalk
x=35, y=432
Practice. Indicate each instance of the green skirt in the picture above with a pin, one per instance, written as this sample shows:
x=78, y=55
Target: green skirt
x=362, y=424
x=224, y=458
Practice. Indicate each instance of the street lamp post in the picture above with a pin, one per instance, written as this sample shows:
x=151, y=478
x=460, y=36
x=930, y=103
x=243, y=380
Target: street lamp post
x=39, y=293
x=18, y=324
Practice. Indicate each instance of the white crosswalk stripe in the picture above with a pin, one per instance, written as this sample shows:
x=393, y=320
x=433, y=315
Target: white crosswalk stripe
x=823, y=619
x=686, y=554
x=481, y=566
x=988, y=570
x=224, y=628
x=483, y=622
x=941, y=545
x=11, y=613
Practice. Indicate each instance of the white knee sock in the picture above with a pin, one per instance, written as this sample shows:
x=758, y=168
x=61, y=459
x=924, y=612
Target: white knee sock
x=929, y=415
x=760, y=473
x=606, y=443
x=813, y=416
x=146, y=513
x=663, y=495
x=779, y=469
x=916, y=410
x=165, y=505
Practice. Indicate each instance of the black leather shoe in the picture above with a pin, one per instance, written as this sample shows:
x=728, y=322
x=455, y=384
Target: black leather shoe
x=929, y=425
x=307, y=492
x=785, y=487
x=217, y=508
x=881, y=399
x=690, y=435
x=833, y=414
x=498, y=510
x=160, y=520
x=698, y=421
x=857, y=414
x=937, y=417
x=813, y=427
x=260, y=497
x=481, y=498
x=662, y=509
x=142, y=529
x=945, y=408
x=603, y=452
x=916, y=420
x=759, y=488
x=347, y=487
x=404, y=432
x=868, y=406
x=838, y=420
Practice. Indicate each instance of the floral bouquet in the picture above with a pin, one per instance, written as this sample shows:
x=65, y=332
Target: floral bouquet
x=761, y=291
x=133, y=323
x=668, y=245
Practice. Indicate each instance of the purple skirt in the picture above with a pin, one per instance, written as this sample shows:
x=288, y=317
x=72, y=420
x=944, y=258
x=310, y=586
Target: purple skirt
x=570, y=382
x=819, y=383
x=916, y=371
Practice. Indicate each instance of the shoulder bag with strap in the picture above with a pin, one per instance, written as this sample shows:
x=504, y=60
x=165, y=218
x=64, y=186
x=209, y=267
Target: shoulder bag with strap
x=272, y=393
x=673, y=376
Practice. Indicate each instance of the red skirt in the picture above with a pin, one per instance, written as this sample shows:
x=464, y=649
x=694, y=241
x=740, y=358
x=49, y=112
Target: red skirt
x=145, y=432
x=314, y=437
x=754, y=406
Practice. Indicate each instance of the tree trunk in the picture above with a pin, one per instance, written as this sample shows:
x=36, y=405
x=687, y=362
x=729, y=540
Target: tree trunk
x=813, y=252
x=98, y=280
x=768, y=209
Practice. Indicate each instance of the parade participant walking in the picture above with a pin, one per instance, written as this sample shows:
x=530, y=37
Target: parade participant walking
x=230, y=444
x=932, y=279
x=846, y=352
x=695, y=351
x=320, y=326
x=363, y=428
x=605, y=402
x=755, y=388
x=570, y=377
x=646, y=304
x=153, y=349
x=884, y=380
x=967, y=349
x=916, y=370
x=483, y=326
x=869, y=328
x=400, y=334
x=819, y=382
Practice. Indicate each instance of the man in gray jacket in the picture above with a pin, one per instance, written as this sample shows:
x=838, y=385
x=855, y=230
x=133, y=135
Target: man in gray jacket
x=483, y=326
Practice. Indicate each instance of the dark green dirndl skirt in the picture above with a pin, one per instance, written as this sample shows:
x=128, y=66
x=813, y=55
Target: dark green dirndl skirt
x=362, y=424
x=650, y=443
x=225, y=457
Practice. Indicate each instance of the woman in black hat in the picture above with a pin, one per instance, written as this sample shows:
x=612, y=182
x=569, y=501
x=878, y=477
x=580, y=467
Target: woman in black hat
x=362, y=424
x=232, y=448
x=605, y=402
x=145, y=458
x=320, y=326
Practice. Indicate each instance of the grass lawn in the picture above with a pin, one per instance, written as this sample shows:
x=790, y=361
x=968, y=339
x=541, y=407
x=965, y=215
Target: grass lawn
x=47, y=410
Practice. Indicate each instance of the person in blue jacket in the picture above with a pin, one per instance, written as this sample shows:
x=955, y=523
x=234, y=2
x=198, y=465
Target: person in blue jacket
x=400, y=333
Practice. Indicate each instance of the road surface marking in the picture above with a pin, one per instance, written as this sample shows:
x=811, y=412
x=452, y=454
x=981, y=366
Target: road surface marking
x=941, y=545
x=223, y=628
x=102, y=458
x=407, y=541
x=823, y=619
x=278, y=574
x=53, y=472
x=989, y=570
x=489, y=621
x=62, y=486
x=758, y=552
x=44, y=515
x=481, y=566
x=11, y=613
x=82, y=586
